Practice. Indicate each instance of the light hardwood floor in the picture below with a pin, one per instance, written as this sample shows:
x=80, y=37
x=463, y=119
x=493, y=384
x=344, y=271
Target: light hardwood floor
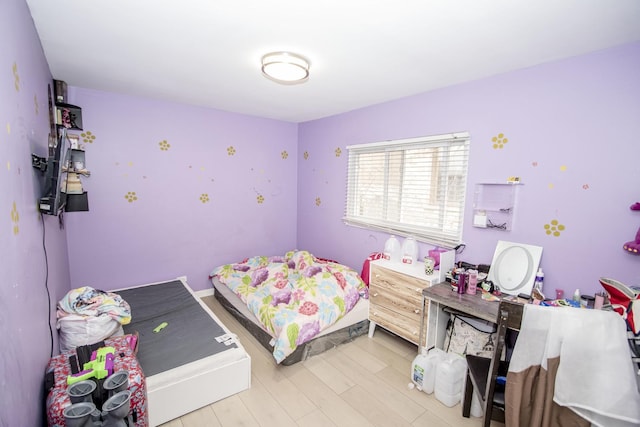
x=361, y=383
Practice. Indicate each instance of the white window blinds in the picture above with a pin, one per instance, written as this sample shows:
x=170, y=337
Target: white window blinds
x=410, y=187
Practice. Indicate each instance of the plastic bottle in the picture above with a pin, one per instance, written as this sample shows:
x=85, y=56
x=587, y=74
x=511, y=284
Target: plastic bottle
x=409, y=251
x=419, y=370
x=449, y=378
x=391, y=249
x=433, y=360
x=539, y=282
x=424, y=367
x=576, y=296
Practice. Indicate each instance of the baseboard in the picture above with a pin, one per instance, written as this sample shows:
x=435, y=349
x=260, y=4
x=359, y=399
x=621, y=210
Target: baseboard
x=204, y=293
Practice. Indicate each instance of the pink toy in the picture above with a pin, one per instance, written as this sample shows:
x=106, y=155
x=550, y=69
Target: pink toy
x=634, y=246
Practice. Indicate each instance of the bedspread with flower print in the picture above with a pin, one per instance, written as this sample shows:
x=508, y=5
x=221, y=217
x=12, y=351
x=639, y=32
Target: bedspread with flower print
x=294, y=296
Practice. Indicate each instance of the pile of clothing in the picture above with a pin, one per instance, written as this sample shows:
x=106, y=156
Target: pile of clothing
x=86, y=316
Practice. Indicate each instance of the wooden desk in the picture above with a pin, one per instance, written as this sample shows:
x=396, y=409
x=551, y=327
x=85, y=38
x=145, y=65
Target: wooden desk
x=441, y=295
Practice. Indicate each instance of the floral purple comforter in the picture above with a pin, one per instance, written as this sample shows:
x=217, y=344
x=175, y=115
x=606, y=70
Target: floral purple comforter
x=294, y=296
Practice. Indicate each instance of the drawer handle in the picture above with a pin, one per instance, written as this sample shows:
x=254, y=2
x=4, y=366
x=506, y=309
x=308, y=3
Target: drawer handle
x=375, y=294
x=416, y=311
x=418, y=290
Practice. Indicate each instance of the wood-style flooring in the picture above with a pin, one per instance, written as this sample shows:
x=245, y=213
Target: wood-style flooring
x=361, y=383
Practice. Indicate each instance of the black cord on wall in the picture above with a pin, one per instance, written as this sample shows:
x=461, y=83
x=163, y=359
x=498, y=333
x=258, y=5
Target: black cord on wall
x=46, y=285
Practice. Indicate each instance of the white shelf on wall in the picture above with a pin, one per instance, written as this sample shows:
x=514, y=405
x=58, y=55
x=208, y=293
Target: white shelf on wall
x=494, y=205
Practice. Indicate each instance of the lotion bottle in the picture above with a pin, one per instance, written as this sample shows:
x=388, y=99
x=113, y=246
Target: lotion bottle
x=539, y=281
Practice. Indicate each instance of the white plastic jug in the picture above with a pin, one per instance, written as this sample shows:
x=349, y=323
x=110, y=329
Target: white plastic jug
x=449, y=377
x=433, y=360
x=392, y=249
x=409, y=251
x=423, y=369
x=419, y=369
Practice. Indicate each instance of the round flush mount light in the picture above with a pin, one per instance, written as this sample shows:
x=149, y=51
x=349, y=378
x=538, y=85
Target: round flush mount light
x=285, y=67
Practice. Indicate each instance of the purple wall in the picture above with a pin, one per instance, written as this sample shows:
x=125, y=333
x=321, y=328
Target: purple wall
x=178, y=190
x=24, y=305
x=572, y=128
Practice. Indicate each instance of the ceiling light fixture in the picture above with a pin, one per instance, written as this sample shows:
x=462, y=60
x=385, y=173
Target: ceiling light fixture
x=285, y=67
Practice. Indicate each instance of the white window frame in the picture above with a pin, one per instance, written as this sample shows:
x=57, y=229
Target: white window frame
x=421, y=195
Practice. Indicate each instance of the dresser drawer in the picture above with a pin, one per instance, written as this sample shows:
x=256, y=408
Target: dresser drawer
x=400, y=325
x=400, y=285
x=395, y=302
x=404, y=304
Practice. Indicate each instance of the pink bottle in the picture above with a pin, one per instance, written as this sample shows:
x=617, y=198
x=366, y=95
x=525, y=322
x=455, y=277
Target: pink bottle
x=473, y=282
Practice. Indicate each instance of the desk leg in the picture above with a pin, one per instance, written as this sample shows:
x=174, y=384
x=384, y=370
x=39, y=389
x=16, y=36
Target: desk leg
x=437, y=329
x=422, y=337
x=372, y=328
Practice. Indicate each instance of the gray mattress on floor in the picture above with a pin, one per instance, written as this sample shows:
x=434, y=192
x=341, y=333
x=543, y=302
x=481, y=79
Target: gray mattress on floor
x=190, y=333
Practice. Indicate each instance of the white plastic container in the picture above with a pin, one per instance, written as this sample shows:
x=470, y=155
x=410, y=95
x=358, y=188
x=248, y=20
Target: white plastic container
x=539, y=281
x=423, y=369
x=392, y=249
x=409, y=251
x=434, y=358
x=449, y=377
x=448, y=400
x=419, y=370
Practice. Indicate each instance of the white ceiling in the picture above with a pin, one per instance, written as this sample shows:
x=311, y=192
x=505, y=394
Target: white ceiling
x=362, y=52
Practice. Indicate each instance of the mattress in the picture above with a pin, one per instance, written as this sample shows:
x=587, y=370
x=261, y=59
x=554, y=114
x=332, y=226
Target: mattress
x=350, y=326
x=181, y=350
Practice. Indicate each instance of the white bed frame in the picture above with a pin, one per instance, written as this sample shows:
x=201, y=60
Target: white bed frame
x=181, y=390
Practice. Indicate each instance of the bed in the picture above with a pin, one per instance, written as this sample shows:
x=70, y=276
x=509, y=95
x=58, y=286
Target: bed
x=295, y=305
x=189, y=358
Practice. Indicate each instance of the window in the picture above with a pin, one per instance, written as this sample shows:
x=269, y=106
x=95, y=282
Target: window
x=410, y=187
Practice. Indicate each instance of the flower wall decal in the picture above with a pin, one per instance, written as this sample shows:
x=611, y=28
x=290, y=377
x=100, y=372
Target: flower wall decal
x=318, y=201
x=554, y=228
x=131, y=196
x=231, y=151
x=284, y=155
x=204, y=198
x=15, y=218
x=306, y=155
x=88, y=137
x=164, y=145
x=16, y=77
x=499, y=141
x=338, y=152
x=260, y=199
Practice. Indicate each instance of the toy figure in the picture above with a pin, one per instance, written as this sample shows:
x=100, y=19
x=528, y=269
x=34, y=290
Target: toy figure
x=634, y=246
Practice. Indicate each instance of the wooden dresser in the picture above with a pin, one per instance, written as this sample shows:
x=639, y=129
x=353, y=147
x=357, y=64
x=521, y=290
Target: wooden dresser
x=395, y=298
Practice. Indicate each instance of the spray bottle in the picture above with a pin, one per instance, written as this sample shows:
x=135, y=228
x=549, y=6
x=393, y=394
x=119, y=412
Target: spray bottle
x=539, y=282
